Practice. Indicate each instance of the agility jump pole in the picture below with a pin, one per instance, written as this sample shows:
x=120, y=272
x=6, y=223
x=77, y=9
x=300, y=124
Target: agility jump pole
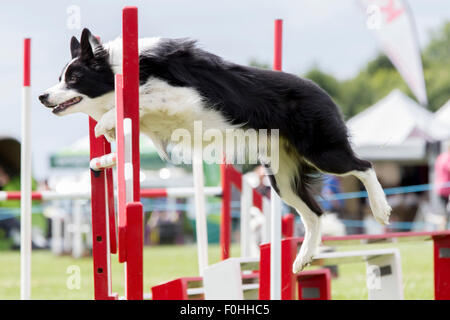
x=131, y=234
x=25, y=177
x=200, y=211
x=275, y=224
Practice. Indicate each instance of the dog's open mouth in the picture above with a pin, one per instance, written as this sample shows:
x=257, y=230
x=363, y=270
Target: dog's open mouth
x=63, y=106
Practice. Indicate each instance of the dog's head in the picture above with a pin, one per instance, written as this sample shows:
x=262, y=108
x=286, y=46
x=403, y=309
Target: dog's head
x=85, y=79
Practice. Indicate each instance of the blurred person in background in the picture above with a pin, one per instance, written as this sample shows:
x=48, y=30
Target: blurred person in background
x=331, y=186
x=9, y=222
x=10, y=211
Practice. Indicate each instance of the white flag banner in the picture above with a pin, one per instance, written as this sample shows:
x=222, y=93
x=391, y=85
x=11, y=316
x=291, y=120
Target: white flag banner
x=392, y=24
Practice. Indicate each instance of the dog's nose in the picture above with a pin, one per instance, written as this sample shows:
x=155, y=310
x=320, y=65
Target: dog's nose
x=43, y=97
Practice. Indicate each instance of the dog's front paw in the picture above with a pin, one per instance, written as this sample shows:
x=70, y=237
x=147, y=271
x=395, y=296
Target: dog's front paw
x=106, y=126
x=105, y=129
x=110, y=135
x=99, y=130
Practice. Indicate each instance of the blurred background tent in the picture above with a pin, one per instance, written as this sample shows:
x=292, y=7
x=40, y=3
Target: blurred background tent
x=396, y=128
x=443, y=114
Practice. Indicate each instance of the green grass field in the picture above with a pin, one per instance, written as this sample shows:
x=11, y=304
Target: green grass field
x=162, y=263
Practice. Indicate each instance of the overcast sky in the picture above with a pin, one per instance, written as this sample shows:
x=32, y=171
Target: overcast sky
x=328, y=33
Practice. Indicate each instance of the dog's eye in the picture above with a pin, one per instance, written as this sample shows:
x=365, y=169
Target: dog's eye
x=74, y=77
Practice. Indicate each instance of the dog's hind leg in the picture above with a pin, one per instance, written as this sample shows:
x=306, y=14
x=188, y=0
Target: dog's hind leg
x=377, y=199
x=310, y=213
x=290, y=184
x=342, y=161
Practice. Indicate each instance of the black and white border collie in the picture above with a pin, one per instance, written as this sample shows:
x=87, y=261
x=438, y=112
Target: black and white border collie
x=181, y=83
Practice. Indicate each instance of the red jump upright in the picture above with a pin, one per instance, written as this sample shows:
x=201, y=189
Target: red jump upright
x=231, y=177
x=100, y=221
x=441, y=266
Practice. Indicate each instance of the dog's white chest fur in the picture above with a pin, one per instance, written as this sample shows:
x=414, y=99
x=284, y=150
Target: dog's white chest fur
x=165, y=108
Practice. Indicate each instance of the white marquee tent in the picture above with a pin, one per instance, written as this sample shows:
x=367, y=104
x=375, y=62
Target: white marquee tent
x=395, y=128
x=443, y=114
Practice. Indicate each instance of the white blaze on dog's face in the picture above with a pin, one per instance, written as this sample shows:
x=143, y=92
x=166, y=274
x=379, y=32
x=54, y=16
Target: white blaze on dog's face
x=86, y=83
x=62, y=99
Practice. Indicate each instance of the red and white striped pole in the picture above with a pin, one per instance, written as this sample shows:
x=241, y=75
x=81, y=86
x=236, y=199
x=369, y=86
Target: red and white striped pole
x=175, y=192
x=200, y=210
x=25, y=178
x=275, y=201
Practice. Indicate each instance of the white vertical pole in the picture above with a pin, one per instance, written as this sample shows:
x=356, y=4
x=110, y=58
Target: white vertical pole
x=108, y=241
x=25, y=178
x=129, y=185
x=275, y=246
x=67, y=238
x=201, y=224
x=267, y=216
x=57, y=241
x=199, y=197
x=246, y=204
x=128, y=161
x=275, y=225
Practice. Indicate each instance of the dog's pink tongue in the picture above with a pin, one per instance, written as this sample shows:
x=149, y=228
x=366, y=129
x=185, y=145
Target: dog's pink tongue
x=66, y=103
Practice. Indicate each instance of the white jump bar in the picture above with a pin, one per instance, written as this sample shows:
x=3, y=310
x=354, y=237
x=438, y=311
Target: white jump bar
x=104, y=162
x=176, y=192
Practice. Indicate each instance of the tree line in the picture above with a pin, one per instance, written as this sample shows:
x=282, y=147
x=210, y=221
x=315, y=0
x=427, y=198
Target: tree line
x=379, y=77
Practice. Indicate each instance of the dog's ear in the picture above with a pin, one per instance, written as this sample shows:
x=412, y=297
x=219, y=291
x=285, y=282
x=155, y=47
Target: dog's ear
x=74, y=47
x=90, y=45
x=86, y=49
x=94, y=41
